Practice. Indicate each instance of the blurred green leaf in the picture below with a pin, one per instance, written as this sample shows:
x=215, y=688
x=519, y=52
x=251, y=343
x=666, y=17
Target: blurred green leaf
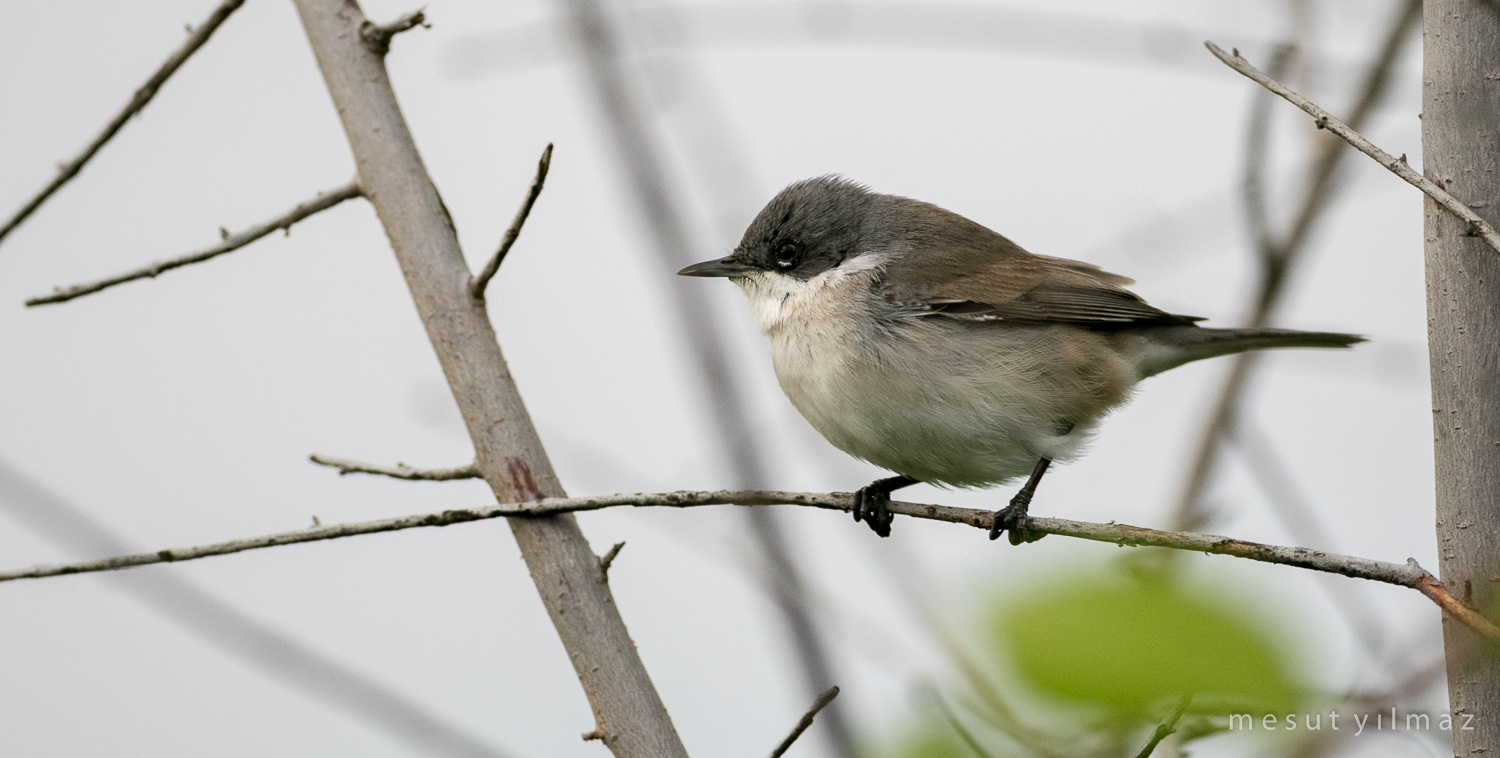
x=1127, y=644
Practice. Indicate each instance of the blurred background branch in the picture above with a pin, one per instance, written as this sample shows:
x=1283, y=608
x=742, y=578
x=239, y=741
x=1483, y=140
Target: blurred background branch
x=1279, y=255
x=218, y=623
x=617, y=89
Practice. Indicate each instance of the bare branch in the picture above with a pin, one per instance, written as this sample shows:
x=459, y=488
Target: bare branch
x=481, y=280
x=230, y=243
x=399, y=471
x=1409, y=574
x=608, y=559
x=507, y=449
x=66, y=171
x=377, y=37
x=1478, y=227
x=806, y=721
x=1165, y=728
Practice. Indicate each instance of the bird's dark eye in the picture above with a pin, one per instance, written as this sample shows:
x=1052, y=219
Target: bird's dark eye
x=786, y=254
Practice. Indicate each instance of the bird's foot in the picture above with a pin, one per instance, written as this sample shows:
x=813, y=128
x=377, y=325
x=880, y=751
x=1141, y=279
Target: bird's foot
x=1014, y=520
x=872, y=503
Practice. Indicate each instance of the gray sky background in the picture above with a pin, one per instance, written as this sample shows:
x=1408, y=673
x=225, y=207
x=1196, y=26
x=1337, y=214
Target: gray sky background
x=181, y=410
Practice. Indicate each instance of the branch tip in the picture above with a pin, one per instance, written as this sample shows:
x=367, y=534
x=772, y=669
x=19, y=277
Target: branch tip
x=806, y=721
x=227, y=243
x=1325, y=120
x=480, y=281
x=1166, y=728
x=66, y=170
x=608, y=559
x=399, y=471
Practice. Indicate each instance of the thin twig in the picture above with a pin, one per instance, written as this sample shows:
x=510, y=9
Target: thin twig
x=478, y=282
x=233, y=242
x=806, y=721
x=1278, y=258
x=399, y=471
x=1165, y=728
x=1409, y=574
x=377, y=37
x=142, y=96
x=608, y=559
x=1478, y=227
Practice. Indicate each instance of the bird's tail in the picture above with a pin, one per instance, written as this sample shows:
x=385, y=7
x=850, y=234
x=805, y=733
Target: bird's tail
x=1172, y=346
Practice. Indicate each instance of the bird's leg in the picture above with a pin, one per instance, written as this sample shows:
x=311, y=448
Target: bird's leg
x=1012, y=518
x=872, y=502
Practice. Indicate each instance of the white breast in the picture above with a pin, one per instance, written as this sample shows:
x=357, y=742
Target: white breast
x=936, y=400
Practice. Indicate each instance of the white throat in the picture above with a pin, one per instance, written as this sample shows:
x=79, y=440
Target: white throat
x=776, y=298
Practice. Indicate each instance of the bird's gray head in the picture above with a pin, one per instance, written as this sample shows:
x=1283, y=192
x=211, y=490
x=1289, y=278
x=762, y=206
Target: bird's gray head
x=807, y=229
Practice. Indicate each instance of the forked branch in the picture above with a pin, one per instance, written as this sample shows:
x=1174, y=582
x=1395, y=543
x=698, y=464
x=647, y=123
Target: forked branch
x=1478, y=227
x=231, y=242
x=66, y=171
x=478, y=282
x=377, y=37
x=1408, y=574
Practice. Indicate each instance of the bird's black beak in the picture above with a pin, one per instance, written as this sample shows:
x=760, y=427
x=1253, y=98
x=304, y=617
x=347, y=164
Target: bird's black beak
x=720, y=267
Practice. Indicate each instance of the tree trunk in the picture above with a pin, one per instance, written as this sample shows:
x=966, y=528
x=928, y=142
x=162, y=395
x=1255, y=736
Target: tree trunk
x=1461, y=151
x=628, y=712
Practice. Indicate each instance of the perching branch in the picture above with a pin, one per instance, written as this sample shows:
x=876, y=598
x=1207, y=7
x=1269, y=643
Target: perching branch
x=479, y=281
x=1409, y=574
x=142, y=96
x=806, y=721
x=1165, y=728
x=231, y=242
x=1478, y=227
x=377, y=37
x=399, y=471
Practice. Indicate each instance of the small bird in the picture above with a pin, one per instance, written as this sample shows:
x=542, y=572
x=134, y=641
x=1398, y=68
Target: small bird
x=929, y=345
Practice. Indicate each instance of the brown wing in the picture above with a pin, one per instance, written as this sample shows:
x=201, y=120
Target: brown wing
x=959, y=269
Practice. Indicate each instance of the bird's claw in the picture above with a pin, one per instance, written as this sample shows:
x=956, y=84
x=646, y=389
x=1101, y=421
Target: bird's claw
x=1015, y=521
x=872, y=506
